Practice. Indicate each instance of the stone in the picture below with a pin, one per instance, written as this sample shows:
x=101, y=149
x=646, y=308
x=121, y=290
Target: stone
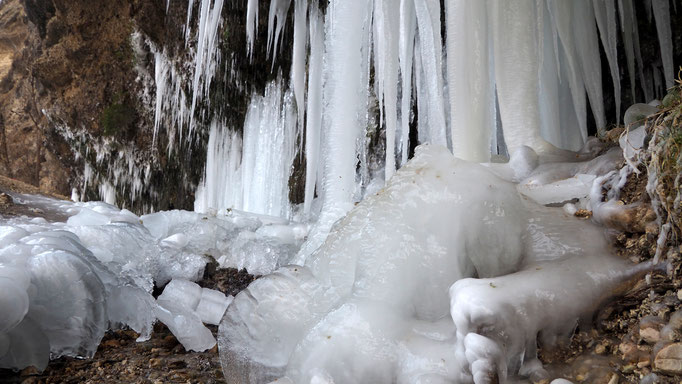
x=600, y=349
x=669, y=359
x=650, y=335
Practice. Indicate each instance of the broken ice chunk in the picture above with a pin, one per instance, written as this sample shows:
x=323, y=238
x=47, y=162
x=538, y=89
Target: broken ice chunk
x=182, y=293
x=212, y=306
x=186, y=325
x=132, y=307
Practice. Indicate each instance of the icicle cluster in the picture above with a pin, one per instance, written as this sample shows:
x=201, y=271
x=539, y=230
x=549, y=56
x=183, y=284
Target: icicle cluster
x=507, y=75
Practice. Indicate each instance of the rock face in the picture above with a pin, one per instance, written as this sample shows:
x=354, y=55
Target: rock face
x=77, y=94
x=24, y=153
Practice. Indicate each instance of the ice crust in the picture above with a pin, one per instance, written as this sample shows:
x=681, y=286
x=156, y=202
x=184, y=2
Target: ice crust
x=64, y=282
x=371, y=304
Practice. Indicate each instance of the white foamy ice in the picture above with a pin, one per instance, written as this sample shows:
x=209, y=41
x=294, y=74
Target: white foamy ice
x=184, y=305
x=367, y=306
x=555, y=183
x=499, y=321
x=236, y=239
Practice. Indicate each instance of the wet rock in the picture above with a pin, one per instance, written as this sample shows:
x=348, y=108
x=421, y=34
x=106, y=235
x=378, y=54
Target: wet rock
x=669, y=359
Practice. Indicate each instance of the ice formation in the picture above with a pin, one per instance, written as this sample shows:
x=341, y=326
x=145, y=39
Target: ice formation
x=93, y=267
x=503, y=76
x=371, y=304
x=184, y=306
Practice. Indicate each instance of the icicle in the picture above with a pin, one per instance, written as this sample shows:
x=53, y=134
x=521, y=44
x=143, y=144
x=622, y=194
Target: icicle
x=549, y=78
x=299, y=56
x=206, y=55
x=221, y=187
x=386, y=45
x=587, y=45
x=190, y=8
x=562, y=16
x=251, y=26
x=516, y=72
x=431, y=47
x=647, y=8
x=277, y=20
x=626, y=22
x=314, y=106
x=662, y=14
x=470, y=81
x=605, y=13
x=408, y=24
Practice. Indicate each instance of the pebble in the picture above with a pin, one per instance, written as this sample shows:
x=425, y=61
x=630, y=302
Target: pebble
x=669, y=359
x=600, y=349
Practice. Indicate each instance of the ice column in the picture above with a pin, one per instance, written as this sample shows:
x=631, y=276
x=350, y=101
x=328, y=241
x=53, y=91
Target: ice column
x=470, y=81
x=314, y=106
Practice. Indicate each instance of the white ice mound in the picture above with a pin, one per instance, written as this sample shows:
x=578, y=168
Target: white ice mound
x=184, y=305
x=373, y=296
x=554, y=183
x=497, y=332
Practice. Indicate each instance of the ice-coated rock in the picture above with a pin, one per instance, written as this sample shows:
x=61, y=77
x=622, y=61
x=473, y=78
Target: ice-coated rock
x=637, y=112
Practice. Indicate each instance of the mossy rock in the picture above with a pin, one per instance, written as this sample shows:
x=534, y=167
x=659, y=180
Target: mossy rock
x=116, y=118
x=672, y=98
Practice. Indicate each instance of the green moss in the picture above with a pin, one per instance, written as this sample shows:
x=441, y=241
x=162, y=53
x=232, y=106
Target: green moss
x=116, y=118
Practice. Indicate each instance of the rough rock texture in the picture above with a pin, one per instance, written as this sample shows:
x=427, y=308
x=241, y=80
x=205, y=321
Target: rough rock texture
x=27, y=151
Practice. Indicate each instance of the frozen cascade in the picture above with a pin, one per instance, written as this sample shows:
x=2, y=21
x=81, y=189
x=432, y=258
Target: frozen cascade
x=493, y=56
x=255, y=180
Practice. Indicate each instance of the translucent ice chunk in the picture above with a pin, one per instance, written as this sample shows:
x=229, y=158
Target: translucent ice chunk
x=182, y=293
x=67, y=303
x=133, y=307
x=186, y=326
x=637, y=112
x=212, y=306
x=13, y=301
